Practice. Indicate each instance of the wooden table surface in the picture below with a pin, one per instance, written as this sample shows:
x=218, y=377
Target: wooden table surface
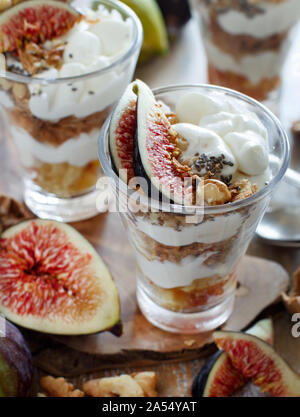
x=187, y=58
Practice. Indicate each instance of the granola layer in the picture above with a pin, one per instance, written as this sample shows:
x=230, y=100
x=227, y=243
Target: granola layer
x=217, y=252
x=203, y=292
x=241, y=45
x=235, y=81
x=65, y=180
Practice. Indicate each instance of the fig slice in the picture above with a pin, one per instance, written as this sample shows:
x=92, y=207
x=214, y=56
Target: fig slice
x=35, y=21
x=155, y=148
x=121, y=134
x=258, y=361
x=218, y=377
x=52, y=280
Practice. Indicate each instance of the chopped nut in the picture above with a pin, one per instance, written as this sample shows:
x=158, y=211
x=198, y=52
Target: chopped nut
x=147, y=381
x=19, y=90
x=180, y=168
x=172, y=118
x=292, y=300
x=35, y=57
x=59, y=387
x=138, y=384
x=119, y=386
x=182, y=143
x=11, y=212
x=214, y=192
x=242, y=189
x=189, y=342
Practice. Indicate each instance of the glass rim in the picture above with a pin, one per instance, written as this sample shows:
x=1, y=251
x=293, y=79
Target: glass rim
x=223, y=208
x=136, y=44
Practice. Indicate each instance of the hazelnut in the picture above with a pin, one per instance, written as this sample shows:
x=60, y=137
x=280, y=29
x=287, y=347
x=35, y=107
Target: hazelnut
x=19, y=90
x=215, y=192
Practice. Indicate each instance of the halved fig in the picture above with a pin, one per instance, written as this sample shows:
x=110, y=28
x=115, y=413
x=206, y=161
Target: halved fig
x=121, y=134
x=35, y=21
x=6, y=4
x=258, y=361
x=155, y=148
x=218, y=378
x=52, y=280
x=16, y=365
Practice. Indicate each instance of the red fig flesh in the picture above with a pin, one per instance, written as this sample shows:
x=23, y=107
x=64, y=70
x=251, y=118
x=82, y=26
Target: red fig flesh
x=155, y=147
x=218, y=377
x=258, y=361
x=52, y=280
x=35, y=21
x=121, y=135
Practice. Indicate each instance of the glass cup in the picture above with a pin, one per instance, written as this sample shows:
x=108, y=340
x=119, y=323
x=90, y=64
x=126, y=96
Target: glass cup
x=246, y=43
x=187, y=256
x=58, y=152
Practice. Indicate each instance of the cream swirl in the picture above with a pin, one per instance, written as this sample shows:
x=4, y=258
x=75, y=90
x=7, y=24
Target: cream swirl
x=223, y=129
x=91, y=45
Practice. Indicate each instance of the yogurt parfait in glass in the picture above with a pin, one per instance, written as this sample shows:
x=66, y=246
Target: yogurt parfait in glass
x=247, y=42
x=59, y=81
x=192, y=170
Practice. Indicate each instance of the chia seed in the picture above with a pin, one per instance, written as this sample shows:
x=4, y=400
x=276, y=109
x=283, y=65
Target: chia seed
x=212, y=164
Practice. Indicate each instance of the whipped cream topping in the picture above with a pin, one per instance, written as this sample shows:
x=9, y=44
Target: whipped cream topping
x=204, y=141
x=220, y=127
x=97, y=41
x=275, y=18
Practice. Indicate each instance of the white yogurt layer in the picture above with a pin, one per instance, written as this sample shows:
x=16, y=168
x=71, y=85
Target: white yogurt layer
x=216, y=230
x=276, y=18
x=91, y=45
x=78, y=151
x=254, y=67
x=172, y=275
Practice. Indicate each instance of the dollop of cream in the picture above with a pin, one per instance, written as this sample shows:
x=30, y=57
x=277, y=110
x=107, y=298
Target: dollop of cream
x=91, y=45
x=222, y=127
x=203, y=141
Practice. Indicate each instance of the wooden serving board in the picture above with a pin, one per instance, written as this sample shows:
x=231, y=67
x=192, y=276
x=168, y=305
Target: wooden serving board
x=260, y=285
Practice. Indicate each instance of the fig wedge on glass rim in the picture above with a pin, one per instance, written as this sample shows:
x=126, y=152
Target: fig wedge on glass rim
x=52, y=280
x=154, y=150
x=258, y=361
x=35, y=21
x=121, y=134
x=218, y=377
x=142, y=141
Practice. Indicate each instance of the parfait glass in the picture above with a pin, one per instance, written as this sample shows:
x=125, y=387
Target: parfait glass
x=247, y=43
x=186, y=257
x=56, y=140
